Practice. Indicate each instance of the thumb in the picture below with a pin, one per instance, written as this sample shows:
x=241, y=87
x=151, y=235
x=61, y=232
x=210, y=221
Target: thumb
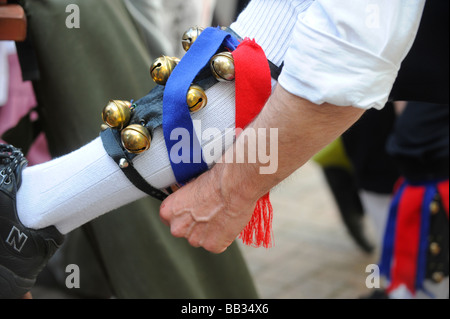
x=165, y=212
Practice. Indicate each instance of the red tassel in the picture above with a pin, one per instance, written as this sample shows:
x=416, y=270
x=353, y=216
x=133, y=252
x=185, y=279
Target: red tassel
x=258, y=231
x=444, y=191
x=253, y=88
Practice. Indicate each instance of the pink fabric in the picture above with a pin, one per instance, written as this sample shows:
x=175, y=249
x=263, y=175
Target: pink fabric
x=21, y=100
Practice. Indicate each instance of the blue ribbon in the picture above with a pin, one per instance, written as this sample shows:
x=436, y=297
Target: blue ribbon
x=178, y=130
x=430, y=192
x=389, y=235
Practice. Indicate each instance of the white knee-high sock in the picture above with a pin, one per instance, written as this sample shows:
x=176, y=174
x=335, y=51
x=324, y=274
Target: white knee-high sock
x=78, y=187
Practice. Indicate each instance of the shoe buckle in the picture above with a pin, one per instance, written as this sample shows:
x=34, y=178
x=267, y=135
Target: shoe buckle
x=4, y=178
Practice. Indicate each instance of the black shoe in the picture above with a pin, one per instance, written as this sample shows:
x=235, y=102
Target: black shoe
x=23, y=251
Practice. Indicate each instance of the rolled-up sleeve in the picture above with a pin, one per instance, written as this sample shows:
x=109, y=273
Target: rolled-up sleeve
x=348, y=52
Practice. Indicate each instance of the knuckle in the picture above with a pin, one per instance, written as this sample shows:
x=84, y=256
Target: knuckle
x=194, y=242
x=214, y=248
x=164, y=216
x=176, y=231
x=164, y=220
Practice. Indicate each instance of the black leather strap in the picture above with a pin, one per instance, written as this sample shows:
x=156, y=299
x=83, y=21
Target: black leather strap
x=112, y=145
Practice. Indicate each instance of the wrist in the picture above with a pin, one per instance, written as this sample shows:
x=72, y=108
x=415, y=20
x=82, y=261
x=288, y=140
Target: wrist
x=240, y=182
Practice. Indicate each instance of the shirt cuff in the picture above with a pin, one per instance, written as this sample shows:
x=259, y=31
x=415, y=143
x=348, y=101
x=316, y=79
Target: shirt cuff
x=323, y=68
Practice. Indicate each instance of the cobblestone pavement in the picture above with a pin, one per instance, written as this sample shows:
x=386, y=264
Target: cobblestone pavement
x=313, y=256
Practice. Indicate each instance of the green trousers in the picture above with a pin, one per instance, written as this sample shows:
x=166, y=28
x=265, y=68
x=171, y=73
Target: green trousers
x=128, y=252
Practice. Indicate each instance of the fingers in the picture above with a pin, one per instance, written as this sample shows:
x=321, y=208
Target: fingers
x=194, y=220
x=164, y=214
x=183, y=224
x=199, y=213
x=197, y=234
x=216, y=248
x=180, y=219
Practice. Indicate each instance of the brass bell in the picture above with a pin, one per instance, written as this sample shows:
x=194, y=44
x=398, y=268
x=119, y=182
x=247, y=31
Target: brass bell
x=162, y=67
x=437, y=277
x=116, y=114
x=136, y=138
x=222, y=66
x=434, y=207
x=190, y=36
x=435, y=249
x=196, y=98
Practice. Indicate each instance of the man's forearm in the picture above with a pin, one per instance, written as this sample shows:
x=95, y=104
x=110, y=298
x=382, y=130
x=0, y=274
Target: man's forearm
x=212, y=210
x=304, y=128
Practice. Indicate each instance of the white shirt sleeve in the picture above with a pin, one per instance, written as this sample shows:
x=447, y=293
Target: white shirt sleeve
x=348, y=52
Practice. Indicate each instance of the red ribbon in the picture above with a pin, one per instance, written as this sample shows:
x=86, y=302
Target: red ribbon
x=444, y=191
x=253, y=88
x=406, y=249
x=407, y=234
